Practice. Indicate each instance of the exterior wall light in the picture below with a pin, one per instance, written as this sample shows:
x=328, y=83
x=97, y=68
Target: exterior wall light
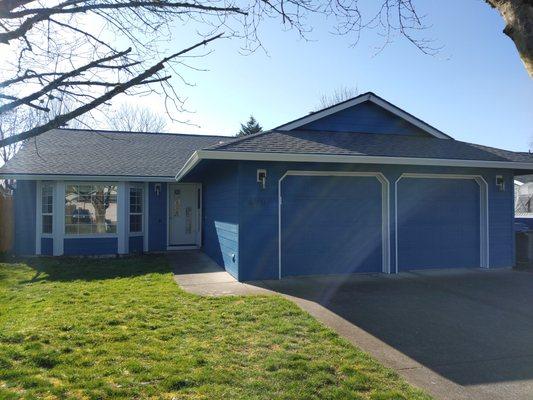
x=261, y=177
x=500, y=183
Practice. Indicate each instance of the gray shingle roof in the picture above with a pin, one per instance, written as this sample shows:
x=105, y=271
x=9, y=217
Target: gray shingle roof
x=107, y=153
x=157, y=155
x=368, y=144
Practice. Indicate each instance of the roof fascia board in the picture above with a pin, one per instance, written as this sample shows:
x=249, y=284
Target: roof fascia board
x=345, y=159
x=358, y=100
x=60, y=177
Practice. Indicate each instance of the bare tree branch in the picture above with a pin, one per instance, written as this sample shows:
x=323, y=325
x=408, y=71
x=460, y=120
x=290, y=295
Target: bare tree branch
x=136, y=119
x=57, y=82
x=62, y=119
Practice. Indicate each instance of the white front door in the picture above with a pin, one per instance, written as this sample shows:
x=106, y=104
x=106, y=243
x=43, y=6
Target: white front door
x=184, y=213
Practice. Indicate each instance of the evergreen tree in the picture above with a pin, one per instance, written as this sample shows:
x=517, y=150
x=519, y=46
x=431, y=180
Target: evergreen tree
x=251, y=127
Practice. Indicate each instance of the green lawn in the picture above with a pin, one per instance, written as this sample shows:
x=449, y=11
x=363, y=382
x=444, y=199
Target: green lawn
x=122, y=329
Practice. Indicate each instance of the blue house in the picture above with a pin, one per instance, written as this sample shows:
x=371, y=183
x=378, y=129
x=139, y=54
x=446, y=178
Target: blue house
x=361, y=186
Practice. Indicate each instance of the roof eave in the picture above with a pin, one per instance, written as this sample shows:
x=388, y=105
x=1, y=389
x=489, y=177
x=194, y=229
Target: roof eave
x=73, y=177
x=344, y=159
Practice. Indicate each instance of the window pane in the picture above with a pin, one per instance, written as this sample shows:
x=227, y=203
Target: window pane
x=47, y=201
x=136, y=209
x=135, y=200
x=91, y=209
x=71, y=229
x=136, y=223
x=47, y=224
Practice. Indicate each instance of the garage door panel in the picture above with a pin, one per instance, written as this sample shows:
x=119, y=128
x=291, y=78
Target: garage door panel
x=438, y=223
x=330, y=225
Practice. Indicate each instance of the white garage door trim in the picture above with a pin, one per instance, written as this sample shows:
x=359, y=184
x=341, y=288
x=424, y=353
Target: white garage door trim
x=385, y=209
x=483, y=211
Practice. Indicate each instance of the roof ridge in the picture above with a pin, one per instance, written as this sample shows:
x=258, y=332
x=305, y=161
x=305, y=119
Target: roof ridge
x=138, y=133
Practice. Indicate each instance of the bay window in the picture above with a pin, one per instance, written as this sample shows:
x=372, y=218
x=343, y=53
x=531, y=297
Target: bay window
x=90, y=209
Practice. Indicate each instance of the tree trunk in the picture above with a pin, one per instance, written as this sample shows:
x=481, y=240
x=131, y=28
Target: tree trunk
x=518, y=17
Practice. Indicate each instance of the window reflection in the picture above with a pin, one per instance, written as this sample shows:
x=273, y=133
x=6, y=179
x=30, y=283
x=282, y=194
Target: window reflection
x=90, y=209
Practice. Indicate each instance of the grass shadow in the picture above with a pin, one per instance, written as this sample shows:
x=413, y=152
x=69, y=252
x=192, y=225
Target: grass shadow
x=66, y=269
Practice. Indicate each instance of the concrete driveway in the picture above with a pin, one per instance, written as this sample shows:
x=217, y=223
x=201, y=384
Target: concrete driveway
x=457, y=334
x=464, y=334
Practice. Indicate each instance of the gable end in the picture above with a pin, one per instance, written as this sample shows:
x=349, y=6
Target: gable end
x=367, y=113
x=366, y=117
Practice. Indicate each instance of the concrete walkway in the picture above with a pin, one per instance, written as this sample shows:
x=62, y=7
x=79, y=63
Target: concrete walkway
x=196, y=273
x=463, y=334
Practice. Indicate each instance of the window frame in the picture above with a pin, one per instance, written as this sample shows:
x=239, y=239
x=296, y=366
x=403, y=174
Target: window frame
x=46, y=185
x=68, y=235
x=140, y=188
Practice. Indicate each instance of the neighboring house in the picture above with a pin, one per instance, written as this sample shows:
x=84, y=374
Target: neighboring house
x=361, y=186
x=524, y=203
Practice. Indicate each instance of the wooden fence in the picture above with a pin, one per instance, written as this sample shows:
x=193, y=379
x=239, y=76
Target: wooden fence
x=6, y=222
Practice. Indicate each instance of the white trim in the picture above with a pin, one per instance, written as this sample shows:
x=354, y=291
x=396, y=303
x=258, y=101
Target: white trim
x=85, y=178
x=199, y=155
x=385, y=210
x=59, y=218
x=122, y=217
x=93, y=235
x=38, y=217
x=484, y=248
x=39, y=235
x=198, y=238
x=518, y=183
x=200, y=215
x=146, y=218
x=358, y=100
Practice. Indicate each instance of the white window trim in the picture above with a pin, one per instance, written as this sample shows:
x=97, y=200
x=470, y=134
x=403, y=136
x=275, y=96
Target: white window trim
x=385, y=210
x=484, y=249
x=38, y=218
x=58, y=220
x=146, y=226
x=39, y=214
x=40, y=205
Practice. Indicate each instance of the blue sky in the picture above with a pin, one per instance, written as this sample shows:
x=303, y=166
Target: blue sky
x=476, y=89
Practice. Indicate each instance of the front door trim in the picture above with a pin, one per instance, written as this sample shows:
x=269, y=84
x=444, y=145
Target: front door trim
x=198, y=243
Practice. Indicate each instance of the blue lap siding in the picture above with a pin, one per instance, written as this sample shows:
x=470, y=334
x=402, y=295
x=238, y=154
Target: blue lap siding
x=25, y=209
x=240, y=220
x=136, y=244
x=365, y=118
x=258, y=219
x=220, y=187
x=47, y=246
x=90, y=246
x=157, y=217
